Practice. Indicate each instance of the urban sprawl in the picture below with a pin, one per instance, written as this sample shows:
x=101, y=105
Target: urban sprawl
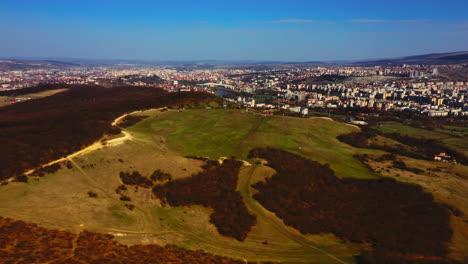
x=415, y=89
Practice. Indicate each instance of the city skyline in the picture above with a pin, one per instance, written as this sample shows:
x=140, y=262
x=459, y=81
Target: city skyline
x=209, y=30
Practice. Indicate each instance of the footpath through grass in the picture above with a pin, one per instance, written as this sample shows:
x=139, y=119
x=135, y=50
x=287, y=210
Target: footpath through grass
x=226, y=133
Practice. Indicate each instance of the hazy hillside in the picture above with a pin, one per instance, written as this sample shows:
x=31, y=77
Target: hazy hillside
x=15, y=65
x=435, y=58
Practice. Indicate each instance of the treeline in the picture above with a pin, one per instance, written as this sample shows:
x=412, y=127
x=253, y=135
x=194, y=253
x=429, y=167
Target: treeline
x=323, y=79
x=41, y=130
x=28, y=243
x=160, y=176
x=385, y=257
x=358, y=139
x=399, y=220
x=41, y=172
x=420, y=148
x=215, y=187
x=135, y=178
x=130, y=120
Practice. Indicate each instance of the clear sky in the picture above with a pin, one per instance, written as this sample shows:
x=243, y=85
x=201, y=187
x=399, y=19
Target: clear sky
x=286, y=30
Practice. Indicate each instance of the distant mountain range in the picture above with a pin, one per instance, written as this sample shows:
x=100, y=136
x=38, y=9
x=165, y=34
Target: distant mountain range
x=434, y=58
x=428, y=59
x=20, y=64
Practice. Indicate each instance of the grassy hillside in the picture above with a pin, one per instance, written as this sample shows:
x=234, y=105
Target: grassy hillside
x=226, y=133
x=61, y=200
x=162, y=141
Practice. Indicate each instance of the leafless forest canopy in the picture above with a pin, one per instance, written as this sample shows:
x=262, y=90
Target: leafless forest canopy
x=402, y=222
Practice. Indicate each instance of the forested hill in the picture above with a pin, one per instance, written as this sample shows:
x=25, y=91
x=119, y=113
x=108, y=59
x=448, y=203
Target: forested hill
x=22, y=65
x=38, y=131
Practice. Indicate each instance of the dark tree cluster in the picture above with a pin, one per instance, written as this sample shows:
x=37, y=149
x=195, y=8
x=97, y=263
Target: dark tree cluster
x=323, y=79
x=135, y=178
x=68, y=164
x=197, y=158
x=88, y=166
x=38, y=131
x=28, y=243
x=130, y=120
x=160, y=176
x=41, y=172
x=113, y=130
x=386, y=157
x=399, y=164
x=364, y=159
x=215, y=187
x=130, y=206
x=385, y=257
x=125, y=198
x=92, y=194
x=135, y=79
x=21, y=178
x=358, y=139
x=399, y=220
x=121, y=188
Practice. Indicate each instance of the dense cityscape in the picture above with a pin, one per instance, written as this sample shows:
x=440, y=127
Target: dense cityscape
x=416, y=89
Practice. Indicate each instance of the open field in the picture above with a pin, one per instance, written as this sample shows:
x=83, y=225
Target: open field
x=161, y=141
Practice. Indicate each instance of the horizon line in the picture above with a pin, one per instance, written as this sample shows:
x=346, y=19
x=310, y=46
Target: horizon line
x=62, y=59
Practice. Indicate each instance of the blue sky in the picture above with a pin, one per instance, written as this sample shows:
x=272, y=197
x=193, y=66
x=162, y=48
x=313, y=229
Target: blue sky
x=294, y=30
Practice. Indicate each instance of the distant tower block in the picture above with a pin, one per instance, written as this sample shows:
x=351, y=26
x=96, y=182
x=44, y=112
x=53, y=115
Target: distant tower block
x=435, y=71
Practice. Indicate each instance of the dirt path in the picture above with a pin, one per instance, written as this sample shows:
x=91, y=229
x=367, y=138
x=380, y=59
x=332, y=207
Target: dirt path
x=252, y=131
x=89, y=178
x=96, y=145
